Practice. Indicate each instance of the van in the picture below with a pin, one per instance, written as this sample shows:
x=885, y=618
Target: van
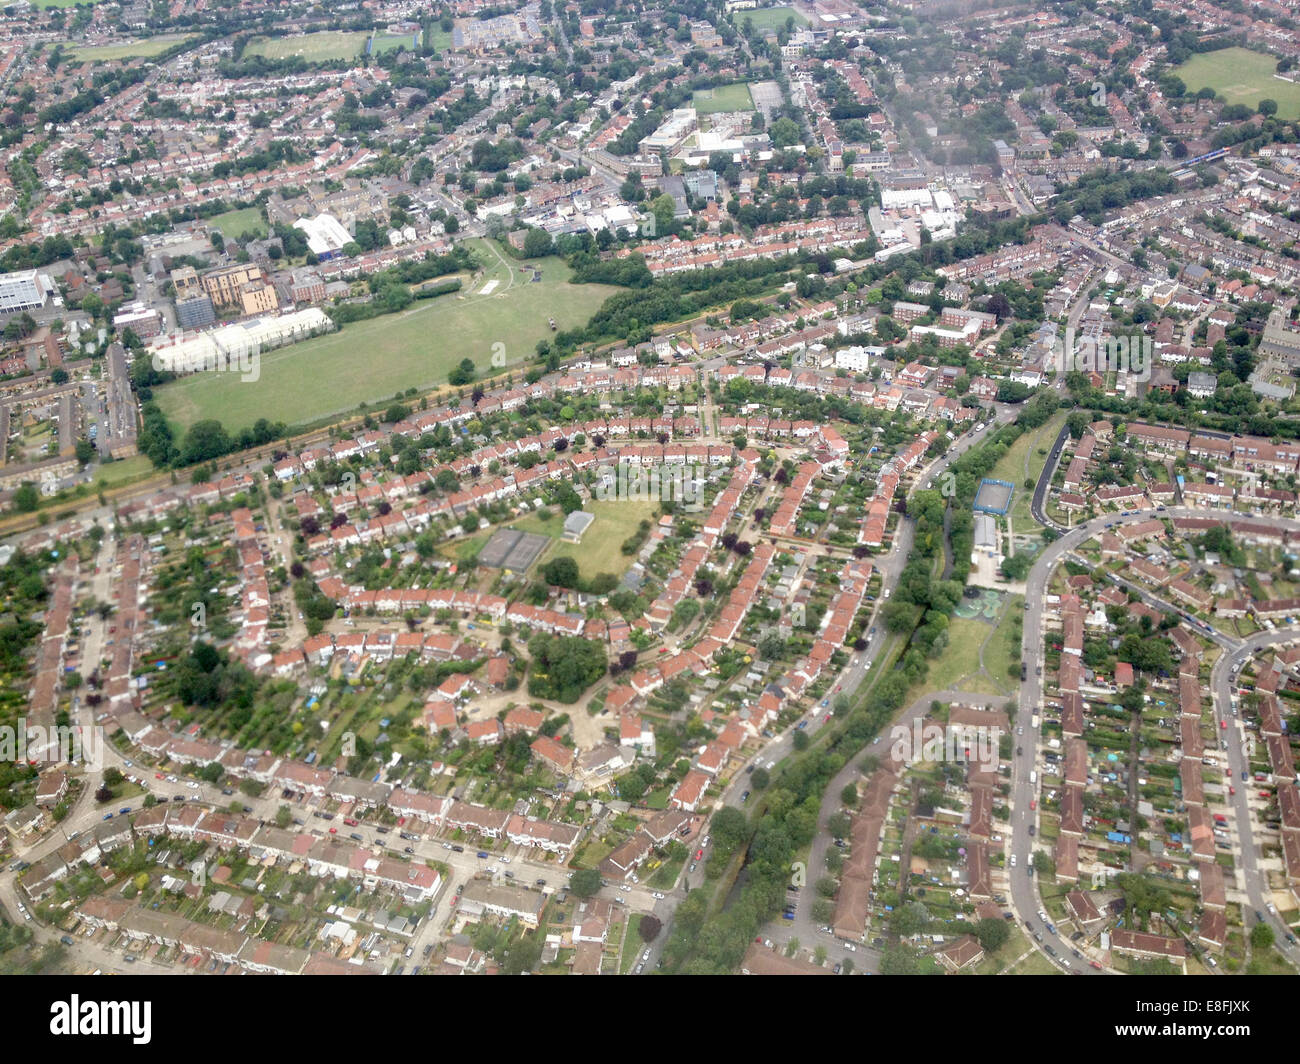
x=1033, y=776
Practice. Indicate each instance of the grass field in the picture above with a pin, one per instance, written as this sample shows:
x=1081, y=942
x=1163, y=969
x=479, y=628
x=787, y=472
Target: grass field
x=961, y=658
x=123, y=471
x=1241, y=76
x=371, y=361
x=725, y=98
x=439, y=40
x=314, y=47
x=234, y=224
x=1023, y=462
x=600, y=549
x=62, y=3
x=146, y=49
x=1004, y=647
x=769, y=18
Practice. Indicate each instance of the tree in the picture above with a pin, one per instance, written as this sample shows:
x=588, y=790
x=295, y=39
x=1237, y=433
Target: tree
x=664, y=208
x=204, y=441
x=462, y=374
x=784, y=132
x=1261, y=936
x=649, y=928
x=1017, y=566
x=564, y=666
x=561, y=572
x=27, y=498
x=537, y=244
x=585, y=883
x=992, y=933
x=1267, y=107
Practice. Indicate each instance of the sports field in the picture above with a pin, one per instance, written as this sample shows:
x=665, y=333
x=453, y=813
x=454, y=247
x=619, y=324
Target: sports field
x=145, y=49
x=385, y=42
x=314, y=47
x=725, y=98
x=1241, y=76
x=769, y=18
x=234, y=224
x=371, y=361
x=601, y=548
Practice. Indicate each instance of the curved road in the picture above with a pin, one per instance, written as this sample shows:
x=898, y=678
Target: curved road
x=1024, y=890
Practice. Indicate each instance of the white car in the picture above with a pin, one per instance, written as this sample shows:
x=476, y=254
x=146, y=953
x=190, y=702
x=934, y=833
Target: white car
x=171, y=779
x=191, y=784
x=851, y=947
x=657, y=895
x=625, y=888
x=503, y=859
x=1013, y=860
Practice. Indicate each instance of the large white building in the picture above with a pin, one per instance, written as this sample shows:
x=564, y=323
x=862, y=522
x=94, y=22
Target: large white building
x=857, y=359
x=25, y=290
x=233, y=346
x=326, y=235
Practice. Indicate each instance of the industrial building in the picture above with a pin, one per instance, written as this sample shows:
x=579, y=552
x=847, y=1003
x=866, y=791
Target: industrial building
x=24, y=290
